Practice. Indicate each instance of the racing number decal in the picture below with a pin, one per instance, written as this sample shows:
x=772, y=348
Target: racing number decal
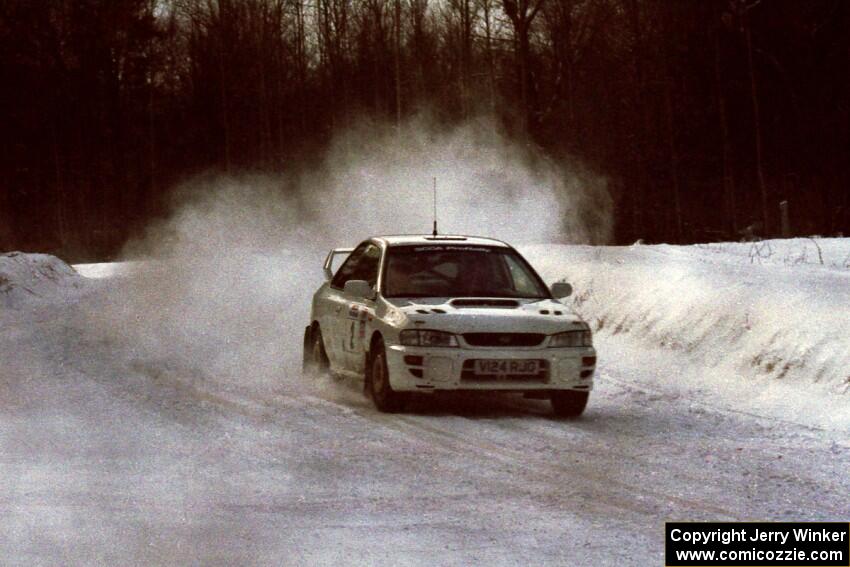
x=358, y=317
x=362, y=327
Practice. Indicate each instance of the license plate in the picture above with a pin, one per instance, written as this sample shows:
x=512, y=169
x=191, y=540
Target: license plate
x=505, y=367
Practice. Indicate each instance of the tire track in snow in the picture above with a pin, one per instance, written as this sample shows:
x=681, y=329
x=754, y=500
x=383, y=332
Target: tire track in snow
x=616, y=494
x=597, y=485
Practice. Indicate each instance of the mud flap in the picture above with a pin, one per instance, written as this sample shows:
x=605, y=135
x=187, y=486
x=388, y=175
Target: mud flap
x=367, y=373
x=307, y=349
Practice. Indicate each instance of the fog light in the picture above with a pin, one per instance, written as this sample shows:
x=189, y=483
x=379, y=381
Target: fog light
x=588, y=361
x=586, y=373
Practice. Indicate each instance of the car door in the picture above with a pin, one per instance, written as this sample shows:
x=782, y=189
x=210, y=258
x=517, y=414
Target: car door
x=359, y=310
x=335, y=327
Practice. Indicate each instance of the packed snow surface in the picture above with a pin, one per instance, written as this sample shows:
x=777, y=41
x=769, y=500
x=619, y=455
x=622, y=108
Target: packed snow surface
x=157, y=415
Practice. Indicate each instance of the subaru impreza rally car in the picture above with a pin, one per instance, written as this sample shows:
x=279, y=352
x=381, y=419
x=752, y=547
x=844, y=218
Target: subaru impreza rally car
x=447, y=313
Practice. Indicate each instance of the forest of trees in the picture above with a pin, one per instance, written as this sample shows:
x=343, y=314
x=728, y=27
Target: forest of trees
x=703, y=114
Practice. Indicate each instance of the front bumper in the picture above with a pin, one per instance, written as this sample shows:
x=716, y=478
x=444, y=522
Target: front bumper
x=418, y=369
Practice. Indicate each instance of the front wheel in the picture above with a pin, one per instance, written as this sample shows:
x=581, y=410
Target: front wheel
x=569, y=403
x=384, y=397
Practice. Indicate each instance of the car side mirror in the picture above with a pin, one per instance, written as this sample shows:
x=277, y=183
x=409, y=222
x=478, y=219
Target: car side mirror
x=359, y=288
x=561, y=290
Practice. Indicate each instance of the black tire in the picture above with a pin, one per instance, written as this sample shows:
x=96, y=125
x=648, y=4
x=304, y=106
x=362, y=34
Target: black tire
x=386, y=400
x=569, y=403
x=315, y=359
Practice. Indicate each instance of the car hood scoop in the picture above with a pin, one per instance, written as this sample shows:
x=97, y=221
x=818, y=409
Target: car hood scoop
x=484, y=302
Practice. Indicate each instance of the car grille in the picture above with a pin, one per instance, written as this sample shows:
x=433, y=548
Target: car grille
x=504, y=339
x=468, y=374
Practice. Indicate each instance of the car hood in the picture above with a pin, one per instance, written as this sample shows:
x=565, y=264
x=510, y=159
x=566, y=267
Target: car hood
x=488, y=315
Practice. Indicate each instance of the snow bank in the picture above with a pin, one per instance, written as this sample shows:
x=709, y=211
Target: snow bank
x=773, y=311
x=31, y=277
x=106, y=270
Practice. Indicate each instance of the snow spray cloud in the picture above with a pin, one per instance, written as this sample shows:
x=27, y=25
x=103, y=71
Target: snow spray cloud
x=243, y=254
x=378, y=180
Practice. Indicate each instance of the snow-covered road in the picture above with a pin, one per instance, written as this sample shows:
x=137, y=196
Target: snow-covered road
x=109, y=456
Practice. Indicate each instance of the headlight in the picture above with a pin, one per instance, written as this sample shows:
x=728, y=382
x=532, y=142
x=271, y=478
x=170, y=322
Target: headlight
x=422, y=337
x=571, y=339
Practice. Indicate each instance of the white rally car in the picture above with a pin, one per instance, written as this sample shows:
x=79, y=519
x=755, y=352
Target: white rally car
x=448, y=313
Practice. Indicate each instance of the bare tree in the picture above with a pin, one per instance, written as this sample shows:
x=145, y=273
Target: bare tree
x=459, y=20
x=642, y=133
x=728, y=172
x=742, y=10
x=487, y=8
x=333, y=31
x=397, y=57
x=569, y=28
x=521, y=14
x=419, y=43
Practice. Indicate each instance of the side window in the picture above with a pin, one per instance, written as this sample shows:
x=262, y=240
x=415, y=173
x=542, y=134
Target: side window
x=349, y=267
x=521, y=281
x=367, y=267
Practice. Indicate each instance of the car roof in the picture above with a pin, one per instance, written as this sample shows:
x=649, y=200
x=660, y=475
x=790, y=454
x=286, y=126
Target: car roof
x=408, y=239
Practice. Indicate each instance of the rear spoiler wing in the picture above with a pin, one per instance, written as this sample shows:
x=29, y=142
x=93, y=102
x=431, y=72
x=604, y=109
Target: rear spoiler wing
x=333, y=255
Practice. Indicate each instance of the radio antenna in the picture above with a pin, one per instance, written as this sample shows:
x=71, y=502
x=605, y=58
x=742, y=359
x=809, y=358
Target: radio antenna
x=435, y=207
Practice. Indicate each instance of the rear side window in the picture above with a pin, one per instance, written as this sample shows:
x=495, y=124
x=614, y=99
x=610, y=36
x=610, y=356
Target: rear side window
x=361, y=265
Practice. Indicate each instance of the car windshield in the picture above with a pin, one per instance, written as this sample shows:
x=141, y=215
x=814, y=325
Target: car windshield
x=460, y=271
